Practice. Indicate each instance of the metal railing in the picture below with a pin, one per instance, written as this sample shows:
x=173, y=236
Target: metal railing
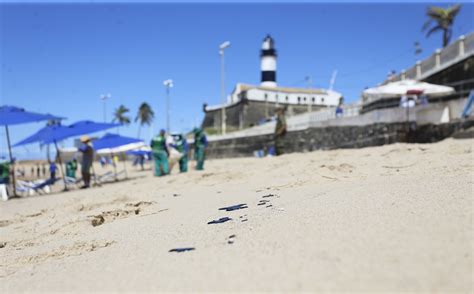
x=441, y=59
x=296, y=122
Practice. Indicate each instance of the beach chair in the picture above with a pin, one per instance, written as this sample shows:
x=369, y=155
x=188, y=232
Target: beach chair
x=105, y=177
x=72, y=182
x=110, y=176
x=41, y=186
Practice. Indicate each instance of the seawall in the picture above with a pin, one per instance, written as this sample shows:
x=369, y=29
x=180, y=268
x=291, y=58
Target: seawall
x=333, y=137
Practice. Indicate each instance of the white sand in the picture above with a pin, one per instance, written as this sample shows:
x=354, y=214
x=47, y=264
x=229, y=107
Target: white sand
x=391, y=218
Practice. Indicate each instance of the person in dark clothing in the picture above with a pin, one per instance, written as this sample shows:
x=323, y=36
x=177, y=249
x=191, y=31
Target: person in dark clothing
x=87, y=160
x=280, y=131
x=52, y=170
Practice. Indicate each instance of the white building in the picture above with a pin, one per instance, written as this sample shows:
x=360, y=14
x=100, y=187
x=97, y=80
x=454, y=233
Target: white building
x=260, y=101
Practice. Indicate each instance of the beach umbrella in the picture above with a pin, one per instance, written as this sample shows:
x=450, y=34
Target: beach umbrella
x=11, y=115
x=45, y=134
x=79, y=128
x=139, y=152
x=112, y=144
x=404, y=87
x=56, y=133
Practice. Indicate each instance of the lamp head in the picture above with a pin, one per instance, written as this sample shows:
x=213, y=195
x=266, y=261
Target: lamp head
x=224, y=45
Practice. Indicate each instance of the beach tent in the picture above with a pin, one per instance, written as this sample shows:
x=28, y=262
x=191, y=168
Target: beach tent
x=11, y=115
x=404, y=87
x=55, y=133
x=113, y=144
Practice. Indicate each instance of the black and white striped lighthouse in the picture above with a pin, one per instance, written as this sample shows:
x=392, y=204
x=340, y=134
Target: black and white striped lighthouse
x=268, y=62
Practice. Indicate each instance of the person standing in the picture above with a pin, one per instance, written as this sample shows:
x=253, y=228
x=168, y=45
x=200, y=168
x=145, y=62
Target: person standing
x=73, y=168
x=280, y=131
x=181, y=145
x=52, y=170
x=160, y=154
x=87, y=160
x=200, y=144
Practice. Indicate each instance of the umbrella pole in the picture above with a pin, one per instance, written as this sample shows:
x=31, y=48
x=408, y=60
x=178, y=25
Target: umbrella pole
x=115, y=166
x=61, y=165
x=11, y=160
x=125, y=165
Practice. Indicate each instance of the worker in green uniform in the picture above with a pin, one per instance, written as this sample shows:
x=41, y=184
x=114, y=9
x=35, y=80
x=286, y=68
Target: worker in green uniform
x=200, y=144
x=280, y=131
x=160, y=154
x=71, y=168
x=181, y=145
x=4, y=172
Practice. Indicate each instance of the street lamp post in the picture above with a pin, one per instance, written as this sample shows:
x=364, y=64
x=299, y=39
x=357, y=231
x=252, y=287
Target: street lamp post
x=309, y=80
x=223, y=114
x=104, y=98
x=168, y=84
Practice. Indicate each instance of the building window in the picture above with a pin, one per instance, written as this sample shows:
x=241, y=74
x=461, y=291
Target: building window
x=299, y=99
x=276, y=97
x=304, y=99
x=286, y=98
x=322, y=99
x=313, y=100
x=266, y=96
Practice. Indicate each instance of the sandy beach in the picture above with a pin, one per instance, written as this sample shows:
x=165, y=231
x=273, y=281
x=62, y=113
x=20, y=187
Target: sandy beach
x=386, y=219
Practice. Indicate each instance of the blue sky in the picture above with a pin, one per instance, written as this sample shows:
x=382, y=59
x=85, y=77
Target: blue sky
x=59, y=58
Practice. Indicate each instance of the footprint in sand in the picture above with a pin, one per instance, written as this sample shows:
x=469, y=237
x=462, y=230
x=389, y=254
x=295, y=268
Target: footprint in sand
x=109, y=216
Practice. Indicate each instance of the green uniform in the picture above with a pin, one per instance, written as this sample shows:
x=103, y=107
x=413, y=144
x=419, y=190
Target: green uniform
x=71, y=168
x=4, y=172
x=160, y=154
x=280, y=132
x=69, y=171
x=181, y=146
x=199, y=148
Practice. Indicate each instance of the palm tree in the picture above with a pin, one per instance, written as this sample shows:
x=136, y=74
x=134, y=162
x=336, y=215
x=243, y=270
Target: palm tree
x=120, y=117
x=145, y=116
x=441, y=19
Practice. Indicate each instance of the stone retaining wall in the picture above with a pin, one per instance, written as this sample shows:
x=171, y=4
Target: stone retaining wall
x=336, y=137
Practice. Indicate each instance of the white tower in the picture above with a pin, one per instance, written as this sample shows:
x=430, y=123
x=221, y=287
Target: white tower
x=268, y=62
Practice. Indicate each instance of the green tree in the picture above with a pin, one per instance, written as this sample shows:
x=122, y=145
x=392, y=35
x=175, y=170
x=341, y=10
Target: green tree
x=120, y=116
x=145, y=116
x=441, y=19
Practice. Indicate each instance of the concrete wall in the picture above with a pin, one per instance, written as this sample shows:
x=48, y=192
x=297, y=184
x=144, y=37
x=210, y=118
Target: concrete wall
x=248, y=113
x=334, y=137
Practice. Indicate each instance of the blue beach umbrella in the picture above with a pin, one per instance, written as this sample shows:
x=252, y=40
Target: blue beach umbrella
x=56, y=133
x=110, y=141
x=45, y=134
x=12, y=115
x=79, y=128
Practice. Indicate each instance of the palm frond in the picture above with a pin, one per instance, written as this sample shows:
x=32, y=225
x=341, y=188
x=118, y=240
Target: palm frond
x=434, y=29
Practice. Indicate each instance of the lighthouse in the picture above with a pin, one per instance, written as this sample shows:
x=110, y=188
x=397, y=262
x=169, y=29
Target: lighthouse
x=268, y=62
